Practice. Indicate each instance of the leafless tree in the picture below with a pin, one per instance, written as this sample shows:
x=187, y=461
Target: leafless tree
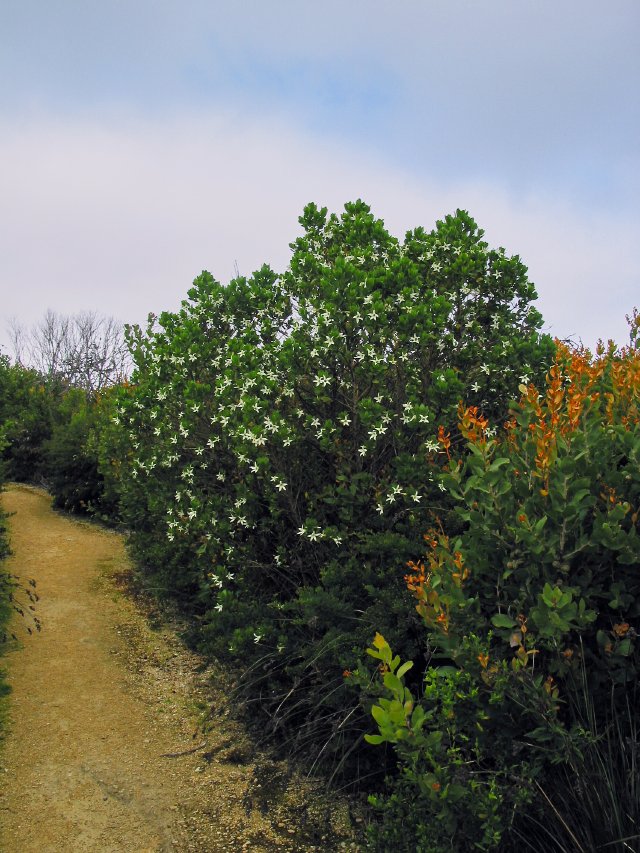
x=83, y=350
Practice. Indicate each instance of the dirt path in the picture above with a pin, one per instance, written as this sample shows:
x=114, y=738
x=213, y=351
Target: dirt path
x=102, y=700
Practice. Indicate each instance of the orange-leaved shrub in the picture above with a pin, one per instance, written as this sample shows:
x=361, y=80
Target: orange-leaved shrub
x=525, y=733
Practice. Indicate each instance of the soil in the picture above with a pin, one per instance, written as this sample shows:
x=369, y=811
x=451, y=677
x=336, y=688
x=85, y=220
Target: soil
x=111, y=742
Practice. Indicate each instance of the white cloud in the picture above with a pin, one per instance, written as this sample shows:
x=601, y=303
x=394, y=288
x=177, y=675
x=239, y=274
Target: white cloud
x=120, y=218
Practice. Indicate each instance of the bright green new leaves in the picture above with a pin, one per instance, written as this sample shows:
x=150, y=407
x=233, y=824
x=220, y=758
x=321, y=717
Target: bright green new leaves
x=398, y=718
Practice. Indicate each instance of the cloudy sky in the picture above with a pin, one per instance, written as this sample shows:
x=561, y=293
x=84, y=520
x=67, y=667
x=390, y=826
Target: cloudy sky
x=142, y=141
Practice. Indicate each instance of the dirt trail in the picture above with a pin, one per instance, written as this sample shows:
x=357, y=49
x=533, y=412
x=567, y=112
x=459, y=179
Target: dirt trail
x=101, y=703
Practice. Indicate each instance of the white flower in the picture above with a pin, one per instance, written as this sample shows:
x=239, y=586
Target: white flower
x=442, y=487
x=257, y=638
x=301, y=531
x=281, y=487
x=362, y=450
x=380, y=508
x=315, y=535
x=416, y=497
x=218, y=607
x=475, y=387
x=337, y=539
x=484, y=368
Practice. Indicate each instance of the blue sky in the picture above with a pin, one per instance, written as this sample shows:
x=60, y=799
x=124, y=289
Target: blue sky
x=141, y=142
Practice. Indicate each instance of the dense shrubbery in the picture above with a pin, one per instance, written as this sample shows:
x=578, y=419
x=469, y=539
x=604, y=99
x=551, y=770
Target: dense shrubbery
x=49, y=435
x=531, y=619
x=72, y=457
x=276, y=435
x=288, y=442
x=27, y=409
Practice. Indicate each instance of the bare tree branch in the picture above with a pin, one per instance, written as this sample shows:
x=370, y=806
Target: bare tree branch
x=84, y=350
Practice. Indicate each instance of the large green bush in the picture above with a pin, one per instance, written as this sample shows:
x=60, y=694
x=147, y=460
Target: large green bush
x=271, y=448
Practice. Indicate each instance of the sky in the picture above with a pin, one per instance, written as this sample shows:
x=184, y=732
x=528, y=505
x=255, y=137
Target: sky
x=142, y=141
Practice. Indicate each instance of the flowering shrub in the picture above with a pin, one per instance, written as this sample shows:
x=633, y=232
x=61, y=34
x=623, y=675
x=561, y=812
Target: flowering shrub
x=533, y=612
x=271, y=448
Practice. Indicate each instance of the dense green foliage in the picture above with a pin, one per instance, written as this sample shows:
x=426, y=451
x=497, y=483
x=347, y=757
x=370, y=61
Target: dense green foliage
x=531, y=615
x=287, y=445
x=276, y=430
x=49, y=435
x=27, y=409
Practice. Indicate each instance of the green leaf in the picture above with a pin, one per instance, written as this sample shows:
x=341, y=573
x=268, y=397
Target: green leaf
x=393, y=683
x=624, y=648
x=406, y=666
x=375, y=739
x=501, y=620
x=379, y=715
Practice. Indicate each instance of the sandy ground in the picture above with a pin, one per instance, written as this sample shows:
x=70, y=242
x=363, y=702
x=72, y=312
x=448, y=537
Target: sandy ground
x=105, y=703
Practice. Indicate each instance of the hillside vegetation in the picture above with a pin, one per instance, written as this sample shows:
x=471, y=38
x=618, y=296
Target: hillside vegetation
x=405, y=518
